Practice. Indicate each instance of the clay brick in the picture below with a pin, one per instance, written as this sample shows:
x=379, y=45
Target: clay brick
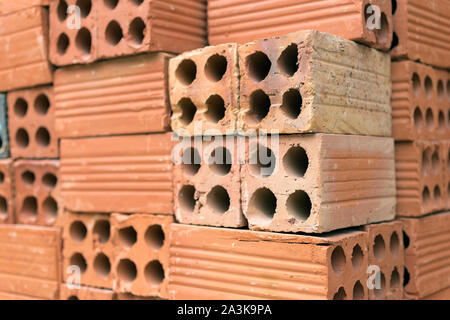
x=441, y=295
x=24, y=49
x=426, y=255
x=421, y=31
x=422, y=177
x=7, y=7
x=447, y=175
x=318, y=183
x=314, y=82
x=32, y=123
x=420, y=102
x=37, y=192
x=141, y=260
x=14, y=297
x=204, y=88
x=120, y=96
x=243, y=21
x=207, y=263
x=207, y=183
x=6, y=192
x=386, y=251
x=4, y=140
x=30, y=261
x=130, y=174
x=85, y=293
x=88, y=246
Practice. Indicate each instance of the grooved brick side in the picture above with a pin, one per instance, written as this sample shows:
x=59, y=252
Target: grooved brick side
x=6, y=192
x=85, y=293
x=14, y=297
x=7, y=7
x=30, y=261
x=120, y=96
x=131, y=174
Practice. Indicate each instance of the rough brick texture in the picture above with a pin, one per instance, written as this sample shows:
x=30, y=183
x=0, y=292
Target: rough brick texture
x=14, y=297
x=31, y=116
x=318, y=183
x=207, y=263
x=4, y=139
x=7, y=7
x=37, y=192
x=6, y=192
x=85, y=293
x=243, y=21
x=30, y=261
x=441, y=295
x=314, y=82
x=120, y=96
x=129, y=174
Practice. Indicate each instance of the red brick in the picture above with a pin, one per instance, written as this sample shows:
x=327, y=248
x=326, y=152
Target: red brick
x=85, y=293
x=7, y=7
x=6, y=192
x=441, y=295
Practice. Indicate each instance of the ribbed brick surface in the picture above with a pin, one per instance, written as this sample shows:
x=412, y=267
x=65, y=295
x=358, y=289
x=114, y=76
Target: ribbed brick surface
x=6, y=192
x=14, y=297
x=13, y=6
x=223, y=264
x=131, y=174
x=85, y=293
x=120, y=96
x=30, y=261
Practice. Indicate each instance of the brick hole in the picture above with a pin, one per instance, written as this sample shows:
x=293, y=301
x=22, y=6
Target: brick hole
x=435, y=162
x=83, y=41
x=292, y=104
x=395, y=279
x=137, y=2
x=259, y=103
x=430, y=119
x=379, y=292
x=111, y=4
x=448, y=118
x=20, y=107
x=102, y=231
x=215, y=108
x=262, y=207
x=416, y=83
x=418, y=119
x=288, y=60
x=218, y=199
x=394, y=6
x=406, y=240
x=49, y=180
x=437, y=194
x=426, y=161
x=28, y=178
x=188, y=111
x=382, y=34
x=296, y=161
x=406, y=277
x=340, y=294
x=448, y=89
x=191, y=161
x=127, y=237
x=338, y=260
x=379, y=247
x=77, y=231
x=3, y=207
x=78, y=260
x=154, y=273
x=2, y=177
x=426, y=195
x=215, y=67
x=126, y=270
x=73, y=298
x=299, y=205
x=22, y=138
x=441, y=121
x=41, y=104
x=258, y=66
x=85, y=7
x=136, y=32
x=154, y=237
x=29, y=208
x=42, y=137
x=62, y=10
x=440, y=90
x=220, y=161
x=186, y=198
x=428, y=87
x=186, y=72
x=113, y=33
x=262, y=161
x=62, y=43
x=50, y=210
x=102, y=265
x=394, y=244
x=357, y=257
x=395, y=41
x=358, y=291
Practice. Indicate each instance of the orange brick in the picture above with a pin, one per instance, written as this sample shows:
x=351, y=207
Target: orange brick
x=6, y=192
x=85, y=293
x=7, y=7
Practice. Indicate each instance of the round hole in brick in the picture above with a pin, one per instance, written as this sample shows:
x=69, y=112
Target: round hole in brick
x=440, y=90
x=102, y=265
x=299, y=205
x=113, y=33
x=426, y=161
x=22, y=138
x=215, y=67
x=358, y=291
x=259, y=103
x=262, y=207
x=126, y=270
x=395, y=279
x=406, y=277
x=258, y=66
x=50, y=210
x=111, y=4
x=357, y=257
x=137, y=2
x=2, y=177
x=62, y=44
x=78, y=260
x=188, y=111
x=191, y=161
x=394, y=6
x=73, y=298
x=41, y=104
x=220, y=161
x=416, y=83
x=49, y=180
x=406, y=240
x=426, y=195
x=127, y=237
x=83, y=41
x=186, y=72
x=20, y=107
x=448, y=90
x=418, y=119
x=435, y=163
x=430, y=119
x=394, y=244
x=288, y=60
x=218, y=200
x=215, y=109
x=441, y=121
x=62, y=10
x=340, y=294
x=338, y=260
x=428, y=87
x=85, y=7
x=154, y=237
x=42, y=137
x=379, y=247
x=136, y=32
x=296, y=161
x=292, y=104
x=28, y=209
x=3, y=207
x=379, y=292
x=77, y=231
x=383, y=33
x=28, y=177
x=186, y=198
x=395, y=41
x=262, y=161
x=154, y=273
x=437, y=194
x=102, y=230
